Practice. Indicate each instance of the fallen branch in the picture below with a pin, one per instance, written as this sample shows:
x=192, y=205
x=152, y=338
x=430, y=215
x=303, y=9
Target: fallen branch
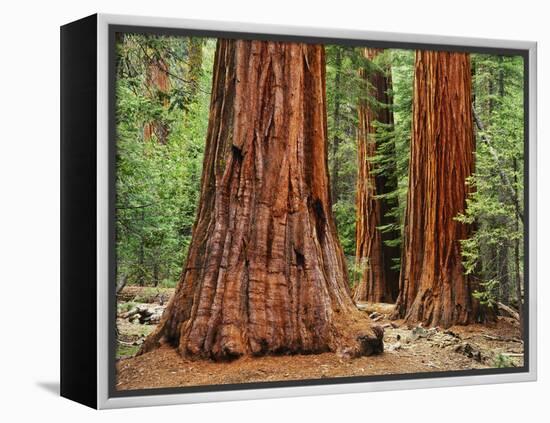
x=502, y=339
x=130, y=344
x=508, y=311
x=130, y=313
x=145, y=314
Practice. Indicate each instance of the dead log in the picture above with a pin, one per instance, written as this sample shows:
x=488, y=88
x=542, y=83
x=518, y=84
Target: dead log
x=144, y=313
x=129, y=314
x=507, y=311
x=502, y=339
x=130, y=344
x=513, y=354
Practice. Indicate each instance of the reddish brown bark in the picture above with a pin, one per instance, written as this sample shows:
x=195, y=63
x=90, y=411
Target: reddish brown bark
x=158, y=84
x=378, y=281
x=265, y=272
x=433, y=287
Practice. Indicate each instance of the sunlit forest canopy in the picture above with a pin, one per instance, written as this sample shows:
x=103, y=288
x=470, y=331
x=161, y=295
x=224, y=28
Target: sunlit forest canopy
x=163, y=93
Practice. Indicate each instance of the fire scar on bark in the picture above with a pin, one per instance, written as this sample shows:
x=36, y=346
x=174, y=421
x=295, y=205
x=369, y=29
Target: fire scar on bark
x=265, y=273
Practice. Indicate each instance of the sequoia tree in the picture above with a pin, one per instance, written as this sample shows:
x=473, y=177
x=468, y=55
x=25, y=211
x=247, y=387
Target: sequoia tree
x=158, y=85
x=265, y=273
x=433, y=287
x=378, y=282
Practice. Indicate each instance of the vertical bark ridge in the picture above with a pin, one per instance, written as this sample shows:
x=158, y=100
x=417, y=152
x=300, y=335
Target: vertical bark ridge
x=265, y=273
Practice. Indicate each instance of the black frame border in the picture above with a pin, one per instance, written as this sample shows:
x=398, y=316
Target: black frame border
x=78, y=211
x=167, y=31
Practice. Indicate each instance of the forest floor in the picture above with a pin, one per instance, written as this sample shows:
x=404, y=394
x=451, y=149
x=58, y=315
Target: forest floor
x=407, y=349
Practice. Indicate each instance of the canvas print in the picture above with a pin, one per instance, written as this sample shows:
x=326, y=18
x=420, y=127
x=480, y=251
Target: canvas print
x=289, y=211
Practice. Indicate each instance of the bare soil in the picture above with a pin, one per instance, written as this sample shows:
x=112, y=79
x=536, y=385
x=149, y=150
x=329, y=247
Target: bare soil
x=407, y=350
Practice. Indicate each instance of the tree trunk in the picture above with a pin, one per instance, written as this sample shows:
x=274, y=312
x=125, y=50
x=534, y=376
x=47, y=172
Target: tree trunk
x=158, y=84
x=335, y=171
x=195, y=66
x=265, y=273
x=378, y=281
x=433, y=287
x=503, y=273
x=155, y=272
x=517, y=270
x=141, y=253
x=503, y=259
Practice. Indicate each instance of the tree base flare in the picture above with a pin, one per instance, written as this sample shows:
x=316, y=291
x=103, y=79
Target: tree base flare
x=349, y=339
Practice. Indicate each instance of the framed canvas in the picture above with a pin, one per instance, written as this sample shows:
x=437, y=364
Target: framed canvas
x=254, y=211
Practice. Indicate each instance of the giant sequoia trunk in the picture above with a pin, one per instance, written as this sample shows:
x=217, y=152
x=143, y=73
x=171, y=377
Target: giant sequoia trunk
x=433, y=287
x=265, y=272
x=158, y=86
x=378, y=281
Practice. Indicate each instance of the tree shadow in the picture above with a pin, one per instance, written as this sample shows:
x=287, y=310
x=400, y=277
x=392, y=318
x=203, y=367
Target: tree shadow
x=51, y=387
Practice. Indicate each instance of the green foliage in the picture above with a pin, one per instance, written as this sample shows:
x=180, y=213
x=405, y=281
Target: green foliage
x=158, y=181
x=486, y=296
x=402, y=68
x=345, y=88
x=488, y=255
x=344, y=213
x=158, y=185
x=123, y=307
x=393, y=141
x=502, y=360
x=126, y=350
